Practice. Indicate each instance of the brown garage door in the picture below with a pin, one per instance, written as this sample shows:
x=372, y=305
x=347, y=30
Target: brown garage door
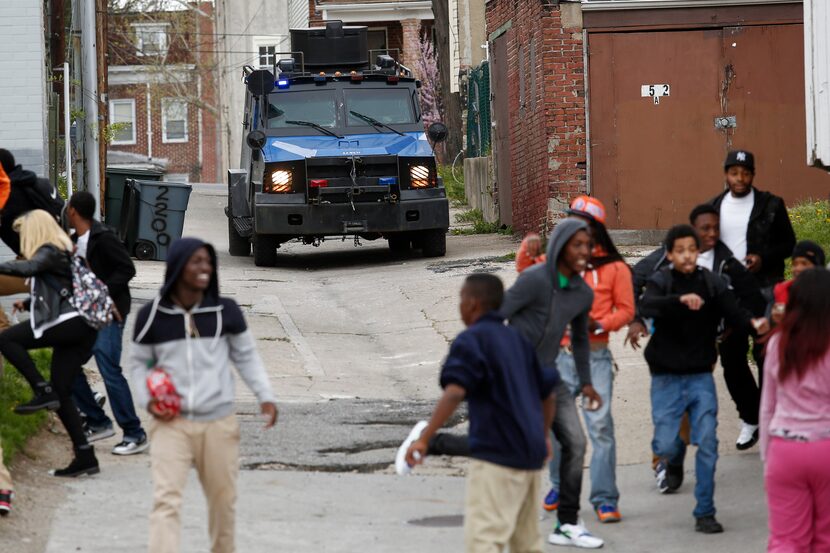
x=652, y=162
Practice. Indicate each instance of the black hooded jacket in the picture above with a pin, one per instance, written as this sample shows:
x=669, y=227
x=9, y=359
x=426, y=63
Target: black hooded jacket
x=27, y=192
x=109, y=260
x=743, y=284
x=769, y=234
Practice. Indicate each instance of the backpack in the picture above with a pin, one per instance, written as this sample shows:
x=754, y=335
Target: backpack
x=89, y=296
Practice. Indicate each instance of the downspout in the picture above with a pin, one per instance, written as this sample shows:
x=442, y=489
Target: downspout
x=149, y=126
x=199, y=119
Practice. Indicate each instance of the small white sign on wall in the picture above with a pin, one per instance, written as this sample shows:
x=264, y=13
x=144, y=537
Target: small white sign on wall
x=655, y=91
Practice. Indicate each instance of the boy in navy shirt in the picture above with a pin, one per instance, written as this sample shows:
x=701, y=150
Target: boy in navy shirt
x=510, y=408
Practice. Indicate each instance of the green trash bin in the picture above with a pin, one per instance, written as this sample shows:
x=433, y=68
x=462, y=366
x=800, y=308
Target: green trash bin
x=116, y=180
x=152, y=216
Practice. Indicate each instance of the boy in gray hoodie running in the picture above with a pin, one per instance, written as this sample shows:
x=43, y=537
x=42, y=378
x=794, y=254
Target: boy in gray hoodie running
x=194, y=335
x=543, y=302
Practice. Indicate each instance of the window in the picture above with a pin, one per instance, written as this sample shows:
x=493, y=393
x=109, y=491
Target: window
x=151, y=39
x=122, y=115
x=388, y=105
x=173, y=120
x=267, y=50
x=312, y=106
x=377, y=41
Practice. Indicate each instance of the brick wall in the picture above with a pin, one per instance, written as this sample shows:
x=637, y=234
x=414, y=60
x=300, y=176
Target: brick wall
x=547, y=108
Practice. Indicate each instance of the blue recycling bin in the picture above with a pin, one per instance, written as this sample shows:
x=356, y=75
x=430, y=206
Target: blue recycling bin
x=153, y=216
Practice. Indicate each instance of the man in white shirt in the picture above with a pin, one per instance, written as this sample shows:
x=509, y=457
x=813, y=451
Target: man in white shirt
x=755, y=225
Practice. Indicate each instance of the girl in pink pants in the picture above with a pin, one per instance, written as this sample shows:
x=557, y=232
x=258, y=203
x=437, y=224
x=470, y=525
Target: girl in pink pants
x=795, y=420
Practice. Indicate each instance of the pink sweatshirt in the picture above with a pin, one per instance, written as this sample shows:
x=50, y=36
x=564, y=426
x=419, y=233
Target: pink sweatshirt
x=794, y=408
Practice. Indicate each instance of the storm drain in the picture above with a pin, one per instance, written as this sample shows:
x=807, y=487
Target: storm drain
x=444, y=521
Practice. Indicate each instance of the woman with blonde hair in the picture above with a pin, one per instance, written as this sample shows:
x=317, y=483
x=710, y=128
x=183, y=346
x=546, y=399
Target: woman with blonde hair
x=46, y=262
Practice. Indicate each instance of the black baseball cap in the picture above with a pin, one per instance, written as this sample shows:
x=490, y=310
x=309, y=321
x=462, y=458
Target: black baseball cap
x=740, y=157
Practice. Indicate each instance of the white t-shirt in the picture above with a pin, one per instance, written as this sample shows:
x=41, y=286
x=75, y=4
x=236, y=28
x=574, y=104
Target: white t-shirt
x=83, y=241
x=734, y=220
x=707, y=260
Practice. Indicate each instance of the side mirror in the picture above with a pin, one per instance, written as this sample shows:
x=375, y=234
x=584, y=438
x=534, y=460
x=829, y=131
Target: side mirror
x=438, y=132
x=260, y=82
x=256, y=140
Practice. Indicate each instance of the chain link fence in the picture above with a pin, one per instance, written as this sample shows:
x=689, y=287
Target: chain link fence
x=478, y=111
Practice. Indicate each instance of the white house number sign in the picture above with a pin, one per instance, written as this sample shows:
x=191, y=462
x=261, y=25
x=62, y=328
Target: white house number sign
x=655, y=91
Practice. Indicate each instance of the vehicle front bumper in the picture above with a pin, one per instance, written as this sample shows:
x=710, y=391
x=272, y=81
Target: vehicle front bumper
x=303, y=219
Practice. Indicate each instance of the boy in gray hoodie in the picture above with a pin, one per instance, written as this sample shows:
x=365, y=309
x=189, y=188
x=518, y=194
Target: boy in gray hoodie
x=194, y=335
x=543, y=302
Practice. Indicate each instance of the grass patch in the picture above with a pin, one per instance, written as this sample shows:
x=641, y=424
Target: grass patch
x=16, y=429
x=455, y=187
x=811, y=221
x=475, y=218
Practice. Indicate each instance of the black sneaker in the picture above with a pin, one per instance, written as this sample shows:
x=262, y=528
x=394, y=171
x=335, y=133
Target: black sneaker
x=708, y=525
x=660, y=476
x=45, y=398
x=83, y=464
x=6, y=497
x=674, y=477
x=131, y=448
x=100, y=399
x=95, y=434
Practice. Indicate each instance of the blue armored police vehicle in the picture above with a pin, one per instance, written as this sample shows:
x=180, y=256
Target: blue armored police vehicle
x=335, y=147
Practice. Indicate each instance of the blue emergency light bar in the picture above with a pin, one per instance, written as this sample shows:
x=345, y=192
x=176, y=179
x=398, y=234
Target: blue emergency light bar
x=387, y=181
x=283, y=84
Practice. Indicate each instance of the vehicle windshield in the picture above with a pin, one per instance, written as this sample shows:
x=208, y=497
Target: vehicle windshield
x=391, y=106
x=312, y=106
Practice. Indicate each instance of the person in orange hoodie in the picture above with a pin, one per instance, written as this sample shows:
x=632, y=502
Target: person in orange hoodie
x=6, y=487
x=610, y=278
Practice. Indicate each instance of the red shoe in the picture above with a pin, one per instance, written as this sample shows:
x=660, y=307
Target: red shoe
x=6, y=497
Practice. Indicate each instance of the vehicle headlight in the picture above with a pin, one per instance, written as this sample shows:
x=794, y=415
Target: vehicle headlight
x=419, y=176
x=279, y=181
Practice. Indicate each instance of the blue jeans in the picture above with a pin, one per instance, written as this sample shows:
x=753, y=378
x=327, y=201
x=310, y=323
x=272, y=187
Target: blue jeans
x=107, y=352
x=671, y=396
x=600, y=427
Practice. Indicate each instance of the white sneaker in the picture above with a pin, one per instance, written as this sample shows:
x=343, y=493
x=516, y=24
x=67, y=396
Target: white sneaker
x=748, y=436
x=401, y=466
x=131, y=448
x=575, y=535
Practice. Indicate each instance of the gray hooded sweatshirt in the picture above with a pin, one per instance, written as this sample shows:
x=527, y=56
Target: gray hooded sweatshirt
x=541, y=310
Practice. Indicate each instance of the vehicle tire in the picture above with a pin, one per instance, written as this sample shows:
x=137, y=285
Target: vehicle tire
x=145, y=250
x=265, y=250
x=399, y=243
x=434, y=243
x=238, y=246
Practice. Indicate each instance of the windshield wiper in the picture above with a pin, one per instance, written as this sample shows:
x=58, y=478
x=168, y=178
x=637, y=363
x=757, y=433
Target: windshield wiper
x=375, y=123
x=314, y=126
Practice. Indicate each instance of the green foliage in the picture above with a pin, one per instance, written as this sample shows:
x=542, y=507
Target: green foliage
x=811, y=221
x=479, y=225
x=113, y=129
x=455, y=187
x=16, y=429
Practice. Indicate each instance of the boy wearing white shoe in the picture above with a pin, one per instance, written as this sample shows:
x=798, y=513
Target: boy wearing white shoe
x=511, y=407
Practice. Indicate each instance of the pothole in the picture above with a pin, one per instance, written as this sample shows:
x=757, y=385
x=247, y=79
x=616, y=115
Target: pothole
x=361, y=448
x=489, y=264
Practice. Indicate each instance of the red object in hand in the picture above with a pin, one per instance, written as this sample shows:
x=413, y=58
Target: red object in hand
x=781, y=291
x=164, y=392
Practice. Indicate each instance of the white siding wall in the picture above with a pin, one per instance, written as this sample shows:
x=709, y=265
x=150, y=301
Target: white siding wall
x=817, y=74
x=298, y=14
x=23, y=86
x=242, y=22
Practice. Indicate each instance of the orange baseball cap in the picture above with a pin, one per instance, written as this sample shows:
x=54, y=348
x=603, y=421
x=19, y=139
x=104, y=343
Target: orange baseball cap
x=586, y=206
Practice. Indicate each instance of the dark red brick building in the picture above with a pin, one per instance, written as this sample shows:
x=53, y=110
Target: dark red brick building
x=163, y=93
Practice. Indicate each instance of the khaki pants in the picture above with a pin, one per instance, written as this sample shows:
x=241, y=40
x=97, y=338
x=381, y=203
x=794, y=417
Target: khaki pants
x=213, y=448
x=5, y=477
x=502, y=507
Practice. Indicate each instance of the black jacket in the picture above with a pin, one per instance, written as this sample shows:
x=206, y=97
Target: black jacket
x=769, y=234
x=684, y=341
x=741, y=281
x=51, y=271
x=27, y=192
x=109, y=260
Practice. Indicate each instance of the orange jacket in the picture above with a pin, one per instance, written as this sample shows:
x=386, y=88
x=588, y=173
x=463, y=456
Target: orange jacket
x=524, y=259
x=613, y=306
x=5, y=187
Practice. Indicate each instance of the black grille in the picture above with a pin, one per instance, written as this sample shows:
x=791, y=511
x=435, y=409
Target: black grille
x=341, y=167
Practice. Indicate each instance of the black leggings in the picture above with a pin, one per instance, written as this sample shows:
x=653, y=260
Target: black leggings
x=71, y=343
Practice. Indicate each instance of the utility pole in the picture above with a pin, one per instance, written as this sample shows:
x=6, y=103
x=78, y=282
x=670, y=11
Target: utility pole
x=77, y=127
x=103, y=99
x=89, y=41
